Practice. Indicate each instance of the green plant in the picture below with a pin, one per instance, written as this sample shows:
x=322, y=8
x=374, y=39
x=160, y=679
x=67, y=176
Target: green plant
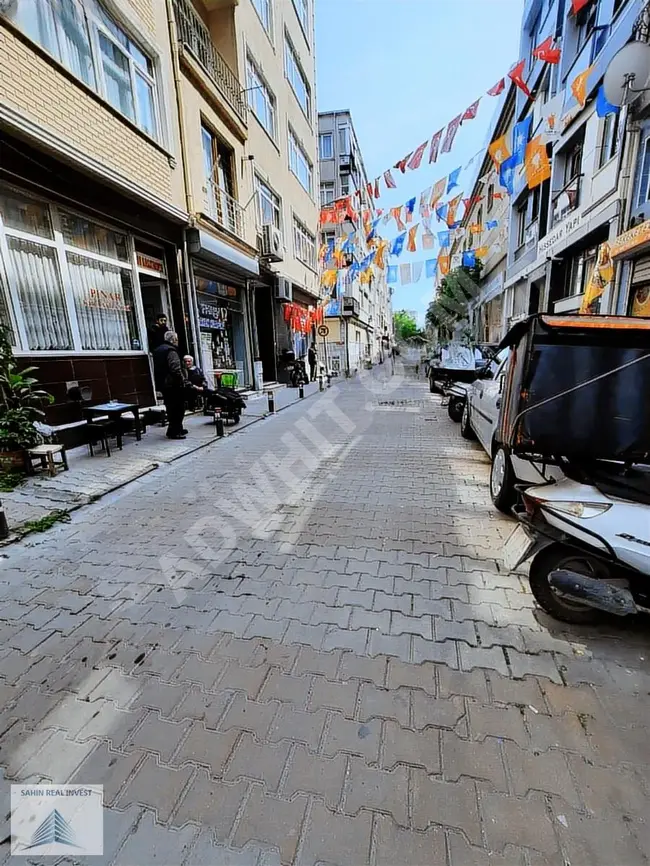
x=45, y=523
x=20, y=401
x=10, y=480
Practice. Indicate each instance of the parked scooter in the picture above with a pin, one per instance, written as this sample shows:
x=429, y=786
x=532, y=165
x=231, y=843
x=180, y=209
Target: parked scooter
x=588, y=539
x=298, y=375
x=229, y=402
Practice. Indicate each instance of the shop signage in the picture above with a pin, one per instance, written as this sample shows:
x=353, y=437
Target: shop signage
x=323, y=330
x=150, y=264
x=212, y=316
x=212, y=287
x=631, y=239
x=100, y=300
x=558, y=234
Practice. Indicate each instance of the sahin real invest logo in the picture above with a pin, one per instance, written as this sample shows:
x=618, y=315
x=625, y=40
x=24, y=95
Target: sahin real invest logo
x=49, y=820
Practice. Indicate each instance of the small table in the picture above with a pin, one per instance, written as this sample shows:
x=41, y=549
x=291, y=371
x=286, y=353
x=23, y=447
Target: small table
x=115, y=410
x=45, y=453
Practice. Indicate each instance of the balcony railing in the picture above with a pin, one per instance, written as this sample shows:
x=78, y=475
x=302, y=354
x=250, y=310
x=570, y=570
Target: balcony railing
x=224, y=210
x=567, y=199
x=195, y=36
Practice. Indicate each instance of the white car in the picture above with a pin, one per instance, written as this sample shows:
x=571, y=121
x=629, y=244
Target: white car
x=480, y=421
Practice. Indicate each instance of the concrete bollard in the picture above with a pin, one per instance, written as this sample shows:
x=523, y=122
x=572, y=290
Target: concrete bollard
x=271, y=397
x=4, y=527
x=218, y=422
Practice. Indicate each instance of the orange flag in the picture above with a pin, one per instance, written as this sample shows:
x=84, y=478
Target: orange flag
x=396, y=212
x=380, y=261
x=453, y=207
x=438, y=191
x=411, y=247
x=536, y=162
x=499, y=150
x=481, y=252
x=579, y=87
x=443, y=264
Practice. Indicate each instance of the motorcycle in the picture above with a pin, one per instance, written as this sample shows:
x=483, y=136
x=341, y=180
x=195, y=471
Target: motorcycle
x=227, y=401
x=298, y=375
x=588, y=541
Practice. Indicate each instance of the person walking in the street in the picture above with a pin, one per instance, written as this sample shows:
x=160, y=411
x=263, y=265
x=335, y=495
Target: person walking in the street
x=171, y=375
x=312, y=357
x=156, y=332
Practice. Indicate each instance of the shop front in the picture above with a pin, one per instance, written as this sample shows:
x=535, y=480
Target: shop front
x=632, y=251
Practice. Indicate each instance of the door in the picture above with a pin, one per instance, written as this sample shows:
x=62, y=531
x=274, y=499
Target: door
x=487, y=400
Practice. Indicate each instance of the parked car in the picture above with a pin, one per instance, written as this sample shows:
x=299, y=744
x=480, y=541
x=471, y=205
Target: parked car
x=457, y=364
x=480, y=420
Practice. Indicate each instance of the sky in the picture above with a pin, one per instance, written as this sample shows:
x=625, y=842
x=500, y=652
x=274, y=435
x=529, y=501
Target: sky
x=405, y=68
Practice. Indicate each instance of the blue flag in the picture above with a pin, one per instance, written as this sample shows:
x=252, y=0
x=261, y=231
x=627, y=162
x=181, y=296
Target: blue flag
x=391, y=276
x=373, y=230
x=431, y=268
x=491, y=224
x=520, y=136
x=453, y=179
x=398, y=245
x=469, y=259
x=365, y=264
x=603, y=107
x=354, y=270
x=410, y=206
x=507, y=174
x=441, y=212
x=444, y=239
x=348, y=246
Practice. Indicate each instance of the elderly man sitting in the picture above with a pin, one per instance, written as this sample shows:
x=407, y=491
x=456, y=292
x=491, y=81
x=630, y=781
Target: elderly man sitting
x=198, y=393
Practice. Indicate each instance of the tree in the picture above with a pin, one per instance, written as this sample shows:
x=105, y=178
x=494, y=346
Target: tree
x=457, y=290
x=405, y=325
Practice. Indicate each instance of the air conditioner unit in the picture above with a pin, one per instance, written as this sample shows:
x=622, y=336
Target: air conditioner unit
x=283, y=289
x=272, y=245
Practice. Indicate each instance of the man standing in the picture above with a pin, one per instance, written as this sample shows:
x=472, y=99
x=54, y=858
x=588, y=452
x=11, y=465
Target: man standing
x=156, y=332
x=170, y=376
x=312, y=357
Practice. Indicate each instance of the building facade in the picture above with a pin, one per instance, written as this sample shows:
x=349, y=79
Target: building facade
x=359, y=316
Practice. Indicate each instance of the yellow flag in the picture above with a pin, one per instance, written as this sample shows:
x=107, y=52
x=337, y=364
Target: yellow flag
x=499, y=150
x=481, y=252
x=443, y=264
x=601, y=277
x=536, y=162
x=579, y=87
x=328, y=279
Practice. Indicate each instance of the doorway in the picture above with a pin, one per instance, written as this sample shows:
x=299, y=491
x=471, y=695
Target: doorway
x=266, y=332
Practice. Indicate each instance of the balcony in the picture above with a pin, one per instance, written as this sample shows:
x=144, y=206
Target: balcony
x=225, y=211
x=566, y=200
x=195, y=37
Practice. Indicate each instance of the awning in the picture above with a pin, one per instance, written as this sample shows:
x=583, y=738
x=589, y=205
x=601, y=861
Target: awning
x=232, y=260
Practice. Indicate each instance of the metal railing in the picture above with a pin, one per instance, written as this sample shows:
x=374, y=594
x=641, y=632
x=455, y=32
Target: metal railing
x=562, y=208
x=195, y=36
x=225, y=210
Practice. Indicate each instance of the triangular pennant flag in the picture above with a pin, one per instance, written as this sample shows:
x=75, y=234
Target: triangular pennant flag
x=499, y=150
x=398, y=245
x=431, y=266
x=425, y=209
x=452, y=181
x=579, y=87
x=388, y=177
x=435, y=146
x=391, y=274
x=409, y=208
x=471, y=112
x=411, y=246
x=396, y=213
x=405, y=274
x=416, y=271
x=450, y=134
x=438, y=191
x=546, y=52
x=577, y=5
x=402, y=163
x=498, y=88
x=538, y=165
x=377, y=190
x=441, y=212
x=416, y=159
x=428, y=241
x=516, y=75
x=603, y=107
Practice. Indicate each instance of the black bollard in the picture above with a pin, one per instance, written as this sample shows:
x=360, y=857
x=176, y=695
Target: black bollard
x=271, y=403
x=4, y=528
x=301, y=391
x=320, y=383
x=218, y=422
x=329, y=380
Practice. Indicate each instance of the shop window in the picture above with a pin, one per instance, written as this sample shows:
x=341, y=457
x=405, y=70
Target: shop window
x=86, y=235
x=326, y=145
x=609, y=138
x=269, y=207
x=5, y=318
x=103, y=298
x=304, y=244
x=326, y=194
x=26, y=215
x=260, y=97
x=296, y=77
x=299, y=162
x=265, y=11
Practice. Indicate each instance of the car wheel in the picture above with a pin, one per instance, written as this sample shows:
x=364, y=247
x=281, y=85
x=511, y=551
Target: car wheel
x=502, y=481
x=551, y=559
x=455, y=409
x=431, y=386
x=466, y=430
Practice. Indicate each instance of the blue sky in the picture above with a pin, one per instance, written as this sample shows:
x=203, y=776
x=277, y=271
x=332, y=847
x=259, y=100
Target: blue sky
x=405, y=68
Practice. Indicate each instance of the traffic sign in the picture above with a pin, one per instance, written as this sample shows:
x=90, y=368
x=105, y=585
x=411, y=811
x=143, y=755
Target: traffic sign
x=323, y=330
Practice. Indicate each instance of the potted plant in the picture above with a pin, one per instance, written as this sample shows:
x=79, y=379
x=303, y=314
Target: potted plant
x=20, y=403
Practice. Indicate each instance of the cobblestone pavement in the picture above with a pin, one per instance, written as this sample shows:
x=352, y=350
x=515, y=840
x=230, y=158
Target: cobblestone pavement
x=335, y=670
x=91, y=477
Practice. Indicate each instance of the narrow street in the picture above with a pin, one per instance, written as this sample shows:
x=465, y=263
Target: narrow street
x=298, y=645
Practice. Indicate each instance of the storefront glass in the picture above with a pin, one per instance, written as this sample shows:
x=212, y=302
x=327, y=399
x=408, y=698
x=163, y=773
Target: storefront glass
x=70, y=281
x=223, y=331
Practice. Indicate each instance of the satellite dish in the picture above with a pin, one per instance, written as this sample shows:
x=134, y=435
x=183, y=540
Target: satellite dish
x=627, y=73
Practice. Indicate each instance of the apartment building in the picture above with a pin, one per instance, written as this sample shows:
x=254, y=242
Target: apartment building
x=556, y=229
x=92, y=204
x=359, y=317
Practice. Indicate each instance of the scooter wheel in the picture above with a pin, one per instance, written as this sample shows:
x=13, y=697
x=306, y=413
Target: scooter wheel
x=236, y=418
x=455, y=409
x=549, y=560
x=466, y=429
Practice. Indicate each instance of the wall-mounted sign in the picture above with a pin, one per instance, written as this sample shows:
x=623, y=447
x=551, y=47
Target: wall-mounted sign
x=212, y=316
x=557, y=235
x=631, y=239
x=149, y=263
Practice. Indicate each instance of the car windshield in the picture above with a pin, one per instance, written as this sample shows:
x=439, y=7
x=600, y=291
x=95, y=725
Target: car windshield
x=495, y=365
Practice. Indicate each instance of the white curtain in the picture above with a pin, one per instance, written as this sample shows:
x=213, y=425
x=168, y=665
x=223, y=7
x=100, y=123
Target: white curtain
x=41, y=295
x=103, y=300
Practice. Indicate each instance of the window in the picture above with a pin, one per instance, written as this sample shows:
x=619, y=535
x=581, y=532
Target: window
x=328, y=236
x=326, y=194
x=521, y=223
x=344, y=140
x=585, y=22
x=304, y=244
x=644, y=183
x=609, y=139
x=268, y=205
x=579, y=272
x=573, y=163
x=221, y=203
x=296, y=77
x=326, y=145
x=299, y=162
x=71, y=280
x=302, y=11
x=107, y=59
x=260, y=98
x=265, y=11
x=490, y=197
x=345, y=184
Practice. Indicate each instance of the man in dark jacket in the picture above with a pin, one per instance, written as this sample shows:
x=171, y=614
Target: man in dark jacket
x=312, y=357
x=156, y=332
x=170, y=376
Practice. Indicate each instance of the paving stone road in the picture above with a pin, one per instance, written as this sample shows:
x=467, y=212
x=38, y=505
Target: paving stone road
x=298, y=646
